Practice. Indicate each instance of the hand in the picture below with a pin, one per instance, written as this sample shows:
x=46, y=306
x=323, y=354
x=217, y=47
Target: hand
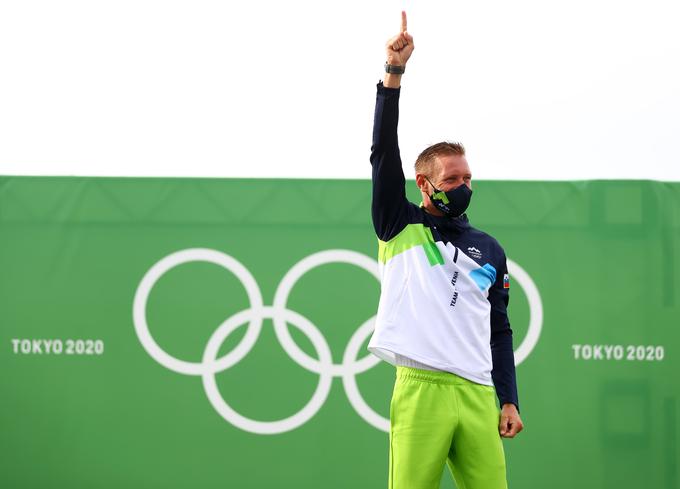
x=511, y=423
x=400, y=47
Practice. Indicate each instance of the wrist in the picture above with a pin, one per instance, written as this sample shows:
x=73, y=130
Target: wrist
x=391, y=80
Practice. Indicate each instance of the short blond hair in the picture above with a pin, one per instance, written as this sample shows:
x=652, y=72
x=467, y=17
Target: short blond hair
x=425, y=161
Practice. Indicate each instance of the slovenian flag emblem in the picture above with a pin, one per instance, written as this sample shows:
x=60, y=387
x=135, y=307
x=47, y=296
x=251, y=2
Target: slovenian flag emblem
x=506, y=281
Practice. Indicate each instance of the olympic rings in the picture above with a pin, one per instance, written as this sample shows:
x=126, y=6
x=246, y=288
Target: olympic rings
x=179, y=258
x=281, y=299
x=535, y=311
x=281, y=316
x=272, y=427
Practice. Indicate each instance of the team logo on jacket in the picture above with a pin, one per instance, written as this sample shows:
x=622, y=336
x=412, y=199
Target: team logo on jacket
x=506, y=281
x=474, y=252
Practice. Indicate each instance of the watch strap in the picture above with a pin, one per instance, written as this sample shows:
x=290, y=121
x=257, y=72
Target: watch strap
x=394, y=69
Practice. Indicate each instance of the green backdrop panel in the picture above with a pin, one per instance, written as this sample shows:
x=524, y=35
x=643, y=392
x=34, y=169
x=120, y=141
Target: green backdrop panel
x=179, y=333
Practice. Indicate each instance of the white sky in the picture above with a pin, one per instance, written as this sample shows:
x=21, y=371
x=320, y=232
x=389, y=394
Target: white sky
x=535, y=89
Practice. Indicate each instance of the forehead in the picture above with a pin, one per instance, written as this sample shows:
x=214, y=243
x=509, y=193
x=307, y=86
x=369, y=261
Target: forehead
x=451, y=166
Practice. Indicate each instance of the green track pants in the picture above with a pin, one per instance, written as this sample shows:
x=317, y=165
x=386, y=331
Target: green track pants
x=439, y=418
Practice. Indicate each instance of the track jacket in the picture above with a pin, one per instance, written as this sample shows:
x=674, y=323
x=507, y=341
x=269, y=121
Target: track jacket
x=444, y=284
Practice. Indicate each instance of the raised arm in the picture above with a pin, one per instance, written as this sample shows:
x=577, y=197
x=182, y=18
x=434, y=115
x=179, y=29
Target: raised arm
x=389, y=205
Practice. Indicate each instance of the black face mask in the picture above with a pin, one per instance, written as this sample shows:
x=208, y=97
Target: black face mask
x=452, y=203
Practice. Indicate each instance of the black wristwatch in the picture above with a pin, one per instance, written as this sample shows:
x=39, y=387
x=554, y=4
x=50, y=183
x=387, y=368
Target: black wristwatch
x=394, y=69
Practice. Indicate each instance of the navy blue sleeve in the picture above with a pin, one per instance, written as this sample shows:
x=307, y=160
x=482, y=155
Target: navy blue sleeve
x=502, y=354
x=389, y=207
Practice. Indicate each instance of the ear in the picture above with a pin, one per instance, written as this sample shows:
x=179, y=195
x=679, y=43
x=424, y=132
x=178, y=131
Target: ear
x=421, y=181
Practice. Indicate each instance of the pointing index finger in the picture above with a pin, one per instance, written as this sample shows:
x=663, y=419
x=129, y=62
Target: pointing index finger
x=403, y=21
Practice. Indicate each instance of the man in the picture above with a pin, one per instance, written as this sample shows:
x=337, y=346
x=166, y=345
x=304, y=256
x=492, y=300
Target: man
x=442, y=316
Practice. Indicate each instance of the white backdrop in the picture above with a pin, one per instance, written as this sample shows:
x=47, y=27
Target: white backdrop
x=535, y=89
